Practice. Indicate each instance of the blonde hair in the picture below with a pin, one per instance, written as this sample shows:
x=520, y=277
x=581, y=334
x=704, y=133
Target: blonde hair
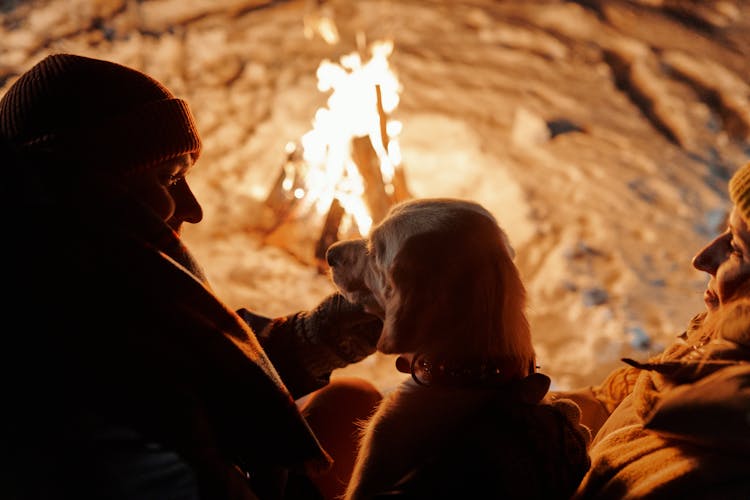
x=731, y=323
x=739, y=190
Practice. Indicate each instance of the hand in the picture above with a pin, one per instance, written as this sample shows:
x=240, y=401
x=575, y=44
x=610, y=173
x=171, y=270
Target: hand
x=345, y=327
x=307, y=346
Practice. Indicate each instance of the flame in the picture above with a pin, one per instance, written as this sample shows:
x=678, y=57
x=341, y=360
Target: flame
x=362, y=92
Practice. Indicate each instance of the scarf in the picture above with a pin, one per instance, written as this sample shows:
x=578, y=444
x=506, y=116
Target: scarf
x=131, y=330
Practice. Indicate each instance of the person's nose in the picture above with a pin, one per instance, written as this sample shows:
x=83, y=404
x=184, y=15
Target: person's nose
x=187, y=208
x=709, y=258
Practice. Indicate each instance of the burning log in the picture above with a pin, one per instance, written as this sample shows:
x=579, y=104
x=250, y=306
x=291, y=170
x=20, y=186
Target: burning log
x=368, y=165
x=400, y=191
x=330, y=233
x=280, y=199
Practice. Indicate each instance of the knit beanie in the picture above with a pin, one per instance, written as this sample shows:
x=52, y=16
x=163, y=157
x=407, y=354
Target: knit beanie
x=95, y=114
x=739, y=191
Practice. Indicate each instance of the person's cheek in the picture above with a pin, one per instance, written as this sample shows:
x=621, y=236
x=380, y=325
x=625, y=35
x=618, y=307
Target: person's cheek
x=731, y=281
x=161, y=202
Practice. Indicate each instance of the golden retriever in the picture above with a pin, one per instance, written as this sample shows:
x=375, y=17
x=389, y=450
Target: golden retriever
x=469, y=421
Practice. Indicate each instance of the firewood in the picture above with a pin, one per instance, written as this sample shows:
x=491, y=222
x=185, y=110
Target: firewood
x=382, y=117
x=281, y=201
x=329, y=234
x=368, y=164
x=400, y=189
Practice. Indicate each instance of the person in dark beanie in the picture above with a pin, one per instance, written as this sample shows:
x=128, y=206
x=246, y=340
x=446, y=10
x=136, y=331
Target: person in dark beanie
x=124, y=375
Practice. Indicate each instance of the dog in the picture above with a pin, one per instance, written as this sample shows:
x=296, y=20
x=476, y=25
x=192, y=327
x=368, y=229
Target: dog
x=439, y=272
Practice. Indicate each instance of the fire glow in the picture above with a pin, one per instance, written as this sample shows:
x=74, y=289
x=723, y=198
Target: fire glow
x=352, y=112
x=347, y=168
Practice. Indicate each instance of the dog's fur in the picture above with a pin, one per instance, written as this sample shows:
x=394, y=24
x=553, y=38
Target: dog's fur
x=439, y=272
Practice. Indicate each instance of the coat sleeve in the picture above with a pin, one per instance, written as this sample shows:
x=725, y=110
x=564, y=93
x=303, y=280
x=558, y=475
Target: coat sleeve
x=305, y=347
x=597, y=402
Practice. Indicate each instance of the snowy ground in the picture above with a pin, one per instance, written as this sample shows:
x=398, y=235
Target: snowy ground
x=600, y=133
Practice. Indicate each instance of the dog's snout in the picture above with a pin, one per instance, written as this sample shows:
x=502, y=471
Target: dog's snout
x=333, y=255
x=346, y=254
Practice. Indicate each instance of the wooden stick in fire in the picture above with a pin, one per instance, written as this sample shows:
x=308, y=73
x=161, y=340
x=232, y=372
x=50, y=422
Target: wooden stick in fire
x=400, y=191
x=330, y=233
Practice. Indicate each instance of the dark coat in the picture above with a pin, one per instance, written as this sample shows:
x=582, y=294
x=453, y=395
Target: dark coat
x=126, y=377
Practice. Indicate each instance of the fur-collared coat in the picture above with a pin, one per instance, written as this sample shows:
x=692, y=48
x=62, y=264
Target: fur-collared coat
x=680, y=423
x=449, y=442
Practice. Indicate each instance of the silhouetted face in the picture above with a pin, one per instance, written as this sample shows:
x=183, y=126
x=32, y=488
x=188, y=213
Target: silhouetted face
x=727, y=260
x=164, y=188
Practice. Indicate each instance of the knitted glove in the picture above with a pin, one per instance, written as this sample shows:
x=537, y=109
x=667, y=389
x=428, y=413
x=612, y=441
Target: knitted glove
x=307, y=346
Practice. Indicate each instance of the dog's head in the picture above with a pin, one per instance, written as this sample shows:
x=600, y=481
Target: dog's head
x=439, y=272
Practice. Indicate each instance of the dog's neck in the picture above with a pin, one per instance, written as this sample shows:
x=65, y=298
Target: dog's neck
x=441, y=371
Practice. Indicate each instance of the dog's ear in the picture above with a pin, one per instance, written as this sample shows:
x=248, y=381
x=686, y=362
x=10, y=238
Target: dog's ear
x=457, y=292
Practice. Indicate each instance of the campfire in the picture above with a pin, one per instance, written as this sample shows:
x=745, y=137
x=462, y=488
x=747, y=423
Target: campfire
x=343, y=175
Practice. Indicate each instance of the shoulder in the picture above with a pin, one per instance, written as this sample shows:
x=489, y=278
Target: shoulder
x=711, y=411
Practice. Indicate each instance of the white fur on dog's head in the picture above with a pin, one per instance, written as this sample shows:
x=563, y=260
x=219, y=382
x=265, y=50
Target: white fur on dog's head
x=439, y=272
